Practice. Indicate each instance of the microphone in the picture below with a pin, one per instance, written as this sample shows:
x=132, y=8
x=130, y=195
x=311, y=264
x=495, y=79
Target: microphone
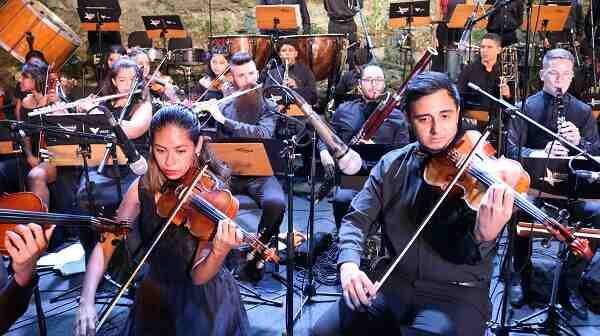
x=348, y=160
x=137, y=163
x=590, y=176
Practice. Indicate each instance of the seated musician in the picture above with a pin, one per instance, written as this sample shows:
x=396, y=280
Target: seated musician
x=251, y=116
x=486, y=74
x=115, y=52
x=580, y=128
x=161, y=90
x=218, y=63
x=441, y=286
x=347, y=121
x=303, y=13
x=290, y=72
x=25, y=244
x=347, y=89
x=37, y=57
x=186, y=290
x=135, y=123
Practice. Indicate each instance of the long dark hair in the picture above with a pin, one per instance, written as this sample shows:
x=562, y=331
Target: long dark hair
x=182, y=117
x=209, y=71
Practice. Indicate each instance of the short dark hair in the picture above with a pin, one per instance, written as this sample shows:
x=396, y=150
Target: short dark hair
x=284, y=41
x=425, y=84
x=35, y=54
x=240, y=58
x=494, y=37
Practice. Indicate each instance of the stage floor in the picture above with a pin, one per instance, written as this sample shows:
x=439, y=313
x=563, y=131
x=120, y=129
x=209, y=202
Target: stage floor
x=264, y=319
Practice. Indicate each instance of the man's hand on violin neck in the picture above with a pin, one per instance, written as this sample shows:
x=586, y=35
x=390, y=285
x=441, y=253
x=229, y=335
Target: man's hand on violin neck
x=495, y=210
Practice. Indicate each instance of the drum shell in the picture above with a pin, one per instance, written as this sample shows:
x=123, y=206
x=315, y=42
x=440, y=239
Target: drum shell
x=258, y=46
x=322, y=53
x=189, y=56
x=51, y=36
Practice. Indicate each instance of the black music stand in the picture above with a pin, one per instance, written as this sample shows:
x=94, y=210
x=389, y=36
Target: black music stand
x=408, y=15
x=101, y=20
x=164, y=27
x=251, y=157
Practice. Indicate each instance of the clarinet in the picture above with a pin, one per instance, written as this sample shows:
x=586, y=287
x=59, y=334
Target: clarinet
x=561, y=117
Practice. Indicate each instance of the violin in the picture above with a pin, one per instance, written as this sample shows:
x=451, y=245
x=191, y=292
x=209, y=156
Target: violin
x=26, y=207
x=484, y=171
x=208, y=204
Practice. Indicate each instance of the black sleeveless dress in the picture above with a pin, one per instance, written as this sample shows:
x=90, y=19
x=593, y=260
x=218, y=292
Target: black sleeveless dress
x=167, y=302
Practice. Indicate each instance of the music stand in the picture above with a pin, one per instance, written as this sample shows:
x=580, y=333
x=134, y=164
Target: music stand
x=548, y=18
x=462, y=12
x=251, y=157
x=164, y=27
x=408, y=14
x=278, y=18
x=101, y=20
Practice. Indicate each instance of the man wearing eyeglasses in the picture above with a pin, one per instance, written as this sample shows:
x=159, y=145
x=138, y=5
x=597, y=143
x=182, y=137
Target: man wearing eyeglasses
x=348, y=119
x=580, y=128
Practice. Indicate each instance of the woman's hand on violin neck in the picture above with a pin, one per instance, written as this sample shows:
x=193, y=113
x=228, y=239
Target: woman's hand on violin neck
x=25, y=245
x=85, y=321
x=228, y=236
x=495, y=210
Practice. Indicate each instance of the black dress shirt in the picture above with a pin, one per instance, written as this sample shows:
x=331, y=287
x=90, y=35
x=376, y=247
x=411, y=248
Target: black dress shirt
x=396, y=197
x=351, y=116
x=488, y=81
x=540, y=108
x=305, y=80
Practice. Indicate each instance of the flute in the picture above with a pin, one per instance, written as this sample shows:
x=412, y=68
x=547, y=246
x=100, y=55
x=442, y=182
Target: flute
x=58, y=107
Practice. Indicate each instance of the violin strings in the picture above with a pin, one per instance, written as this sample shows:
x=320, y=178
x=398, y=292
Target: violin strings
x=217, y=215
x=520, y=200
x=21, y=216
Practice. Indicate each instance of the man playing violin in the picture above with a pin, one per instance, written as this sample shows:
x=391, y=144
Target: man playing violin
x=251, y=116
x=25, y=245
x=580, y=128
x=441, y=286
x=347, y=121
x=186, y=290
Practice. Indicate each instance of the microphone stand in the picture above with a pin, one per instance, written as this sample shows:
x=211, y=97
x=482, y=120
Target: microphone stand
x=512, y=110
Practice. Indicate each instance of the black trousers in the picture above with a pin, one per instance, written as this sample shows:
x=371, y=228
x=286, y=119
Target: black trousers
x=420, y=308
x=267, y=192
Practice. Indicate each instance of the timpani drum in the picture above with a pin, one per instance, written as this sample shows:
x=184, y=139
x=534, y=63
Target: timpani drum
x=259, y=46
x=20, y=19
x=322, y=53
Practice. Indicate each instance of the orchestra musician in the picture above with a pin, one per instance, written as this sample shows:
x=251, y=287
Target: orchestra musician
x=348, y=119
x=135, y=123
x=292, y=73
x=485, y=73
x=341, y=21
x=251, y=116
x=441, y=287
x=218, y=63
x=186, y=290
x=580, y=128
x=444, y=38
x=25, y=244
x=115, y=52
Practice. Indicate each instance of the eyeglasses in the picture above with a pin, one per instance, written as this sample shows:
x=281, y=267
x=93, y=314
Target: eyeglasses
x=557, y=75
x=372, y=81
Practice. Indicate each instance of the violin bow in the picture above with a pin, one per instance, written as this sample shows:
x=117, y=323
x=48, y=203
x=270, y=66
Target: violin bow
x=463, y=167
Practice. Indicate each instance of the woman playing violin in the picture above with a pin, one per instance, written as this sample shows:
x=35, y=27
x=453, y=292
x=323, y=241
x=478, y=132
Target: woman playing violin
x=186, y=291
x=217, y=89
x=441, y=285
